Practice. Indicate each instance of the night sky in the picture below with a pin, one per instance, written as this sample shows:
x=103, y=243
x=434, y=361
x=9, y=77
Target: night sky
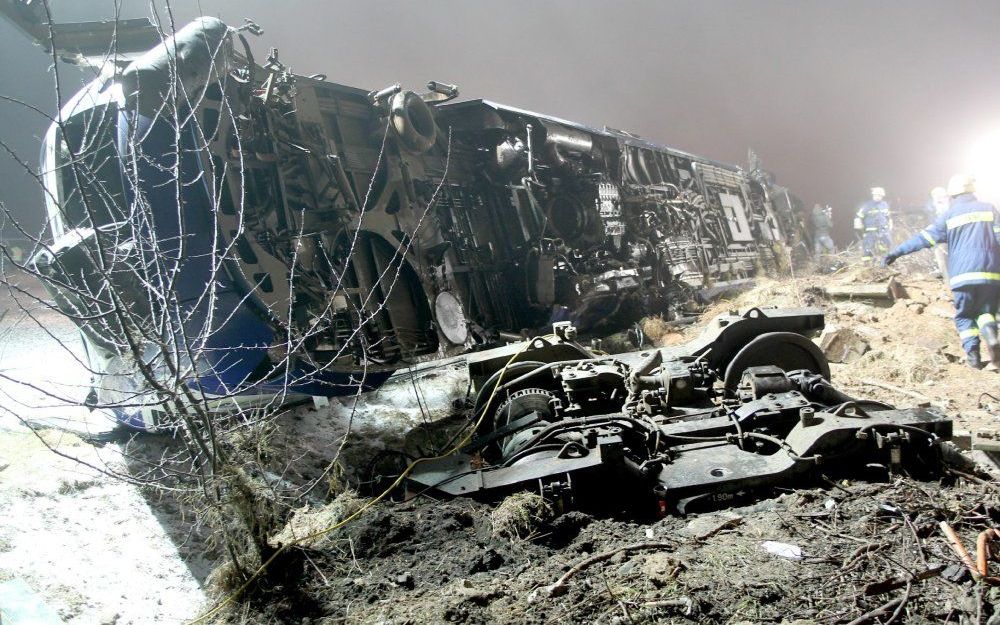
x=834, y=96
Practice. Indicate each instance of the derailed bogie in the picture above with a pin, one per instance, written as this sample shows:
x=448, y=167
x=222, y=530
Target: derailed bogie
x=667, y=430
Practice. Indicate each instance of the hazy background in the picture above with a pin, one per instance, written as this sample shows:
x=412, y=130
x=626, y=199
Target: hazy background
x=834, y=96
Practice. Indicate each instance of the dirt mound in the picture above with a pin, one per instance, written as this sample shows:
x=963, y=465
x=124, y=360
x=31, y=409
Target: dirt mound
x=912, y=353
x=918, y=358
x=859, y=546
x=810, y=555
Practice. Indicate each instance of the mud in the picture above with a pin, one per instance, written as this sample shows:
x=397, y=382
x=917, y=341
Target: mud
x=429, y=561
x=434, y=561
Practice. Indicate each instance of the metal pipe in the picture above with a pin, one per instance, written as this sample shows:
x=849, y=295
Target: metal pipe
x=443, y=88
x=388, y=92
x=531, y=153
x=341, y=176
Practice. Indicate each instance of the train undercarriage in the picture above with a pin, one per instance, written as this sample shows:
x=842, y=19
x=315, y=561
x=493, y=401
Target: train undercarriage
x=745, y=408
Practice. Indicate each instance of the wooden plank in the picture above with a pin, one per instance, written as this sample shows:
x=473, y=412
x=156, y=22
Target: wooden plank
x=860, y=291
x=986, y=441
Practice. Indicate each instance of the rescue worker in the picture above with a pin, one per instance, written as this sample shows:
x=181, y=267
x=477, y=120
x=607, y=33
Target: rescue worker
x=936, y=207
x=822, y=223
x=874, y=223
x=972, y=230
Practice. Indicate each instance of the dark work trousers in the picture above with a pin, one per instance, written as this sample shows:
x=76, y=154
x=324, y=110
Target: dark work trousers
x=976, y=305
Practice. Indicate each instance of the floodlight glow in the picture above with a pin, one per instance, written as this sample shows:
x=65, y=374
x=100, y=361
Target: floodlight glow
x=984, y=164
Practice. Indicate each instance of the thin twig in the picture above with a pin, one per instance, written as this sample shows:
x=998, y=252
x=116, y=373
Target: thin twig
x=867, y=617
x=902, y=604
x=559, y=587
x=896, y=389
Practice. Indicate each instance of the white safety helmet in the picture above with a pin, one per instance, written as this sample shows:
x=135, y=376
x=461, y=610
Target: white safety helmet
x=961, y=183
x=878, y=193
x=938, y=194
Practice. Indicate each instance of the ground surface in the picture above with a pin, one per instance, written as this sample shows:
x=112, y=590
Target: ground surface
x=91, y=548
x=429, y=562
x=914, y=354
x=97, y=550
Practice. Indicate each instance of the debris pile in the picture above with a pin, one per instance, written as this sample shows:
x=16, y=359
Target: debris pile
x=849, y=552
x=822, y=555
x=902, y=349
x=845, y=345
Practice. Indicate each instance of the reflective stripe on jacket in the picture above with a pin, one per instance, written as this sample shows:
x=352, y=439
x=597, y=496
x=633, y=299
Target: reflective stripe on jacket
x=972, y=230
x=875, y=216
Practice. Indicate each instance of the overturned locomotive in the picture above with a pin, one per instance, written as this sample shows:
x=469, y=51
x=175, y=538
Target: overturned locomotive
x=314, y=237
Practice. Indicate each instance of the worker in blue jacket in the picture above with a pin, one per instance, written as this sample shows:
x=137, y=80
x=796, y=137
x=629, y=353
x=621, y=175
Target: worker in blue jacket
x=972, y=230
x=874, y=223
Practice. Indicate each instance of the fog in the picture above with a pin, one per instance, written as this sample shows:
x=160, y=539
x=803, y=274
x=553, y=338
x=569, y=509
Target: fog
x=834, y=96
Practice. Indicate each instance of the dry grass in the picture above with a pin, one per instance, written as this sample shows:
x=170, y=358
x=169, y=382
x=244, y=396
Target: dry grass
x=519, y=516
x=903, y=364
x=224, y=579
x=660, y=333
x=307, y=521
x=783, y=292
x=654, y=328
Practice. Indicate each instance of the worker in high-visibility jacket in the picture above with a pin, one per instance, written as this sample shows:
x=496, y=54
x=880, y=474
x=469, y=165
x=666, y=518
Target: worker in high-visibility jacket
x=822, y=219
x=972, y=230
x=874, y=223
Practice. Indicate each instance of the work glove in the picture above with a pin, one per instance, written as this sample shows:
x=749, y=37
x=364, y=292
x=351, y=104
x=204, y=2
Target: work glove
x=889, y=259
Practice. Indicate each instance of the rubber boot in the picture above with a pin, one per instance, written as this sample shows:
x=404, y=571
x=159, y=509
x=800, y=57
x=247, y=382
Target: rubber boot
x=972, y=357
x=989, y=335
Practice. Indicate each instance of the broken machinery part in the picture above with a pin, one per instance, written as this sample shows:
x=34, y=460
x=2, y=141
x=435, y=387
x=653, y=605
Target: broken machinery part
x=746, y=407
